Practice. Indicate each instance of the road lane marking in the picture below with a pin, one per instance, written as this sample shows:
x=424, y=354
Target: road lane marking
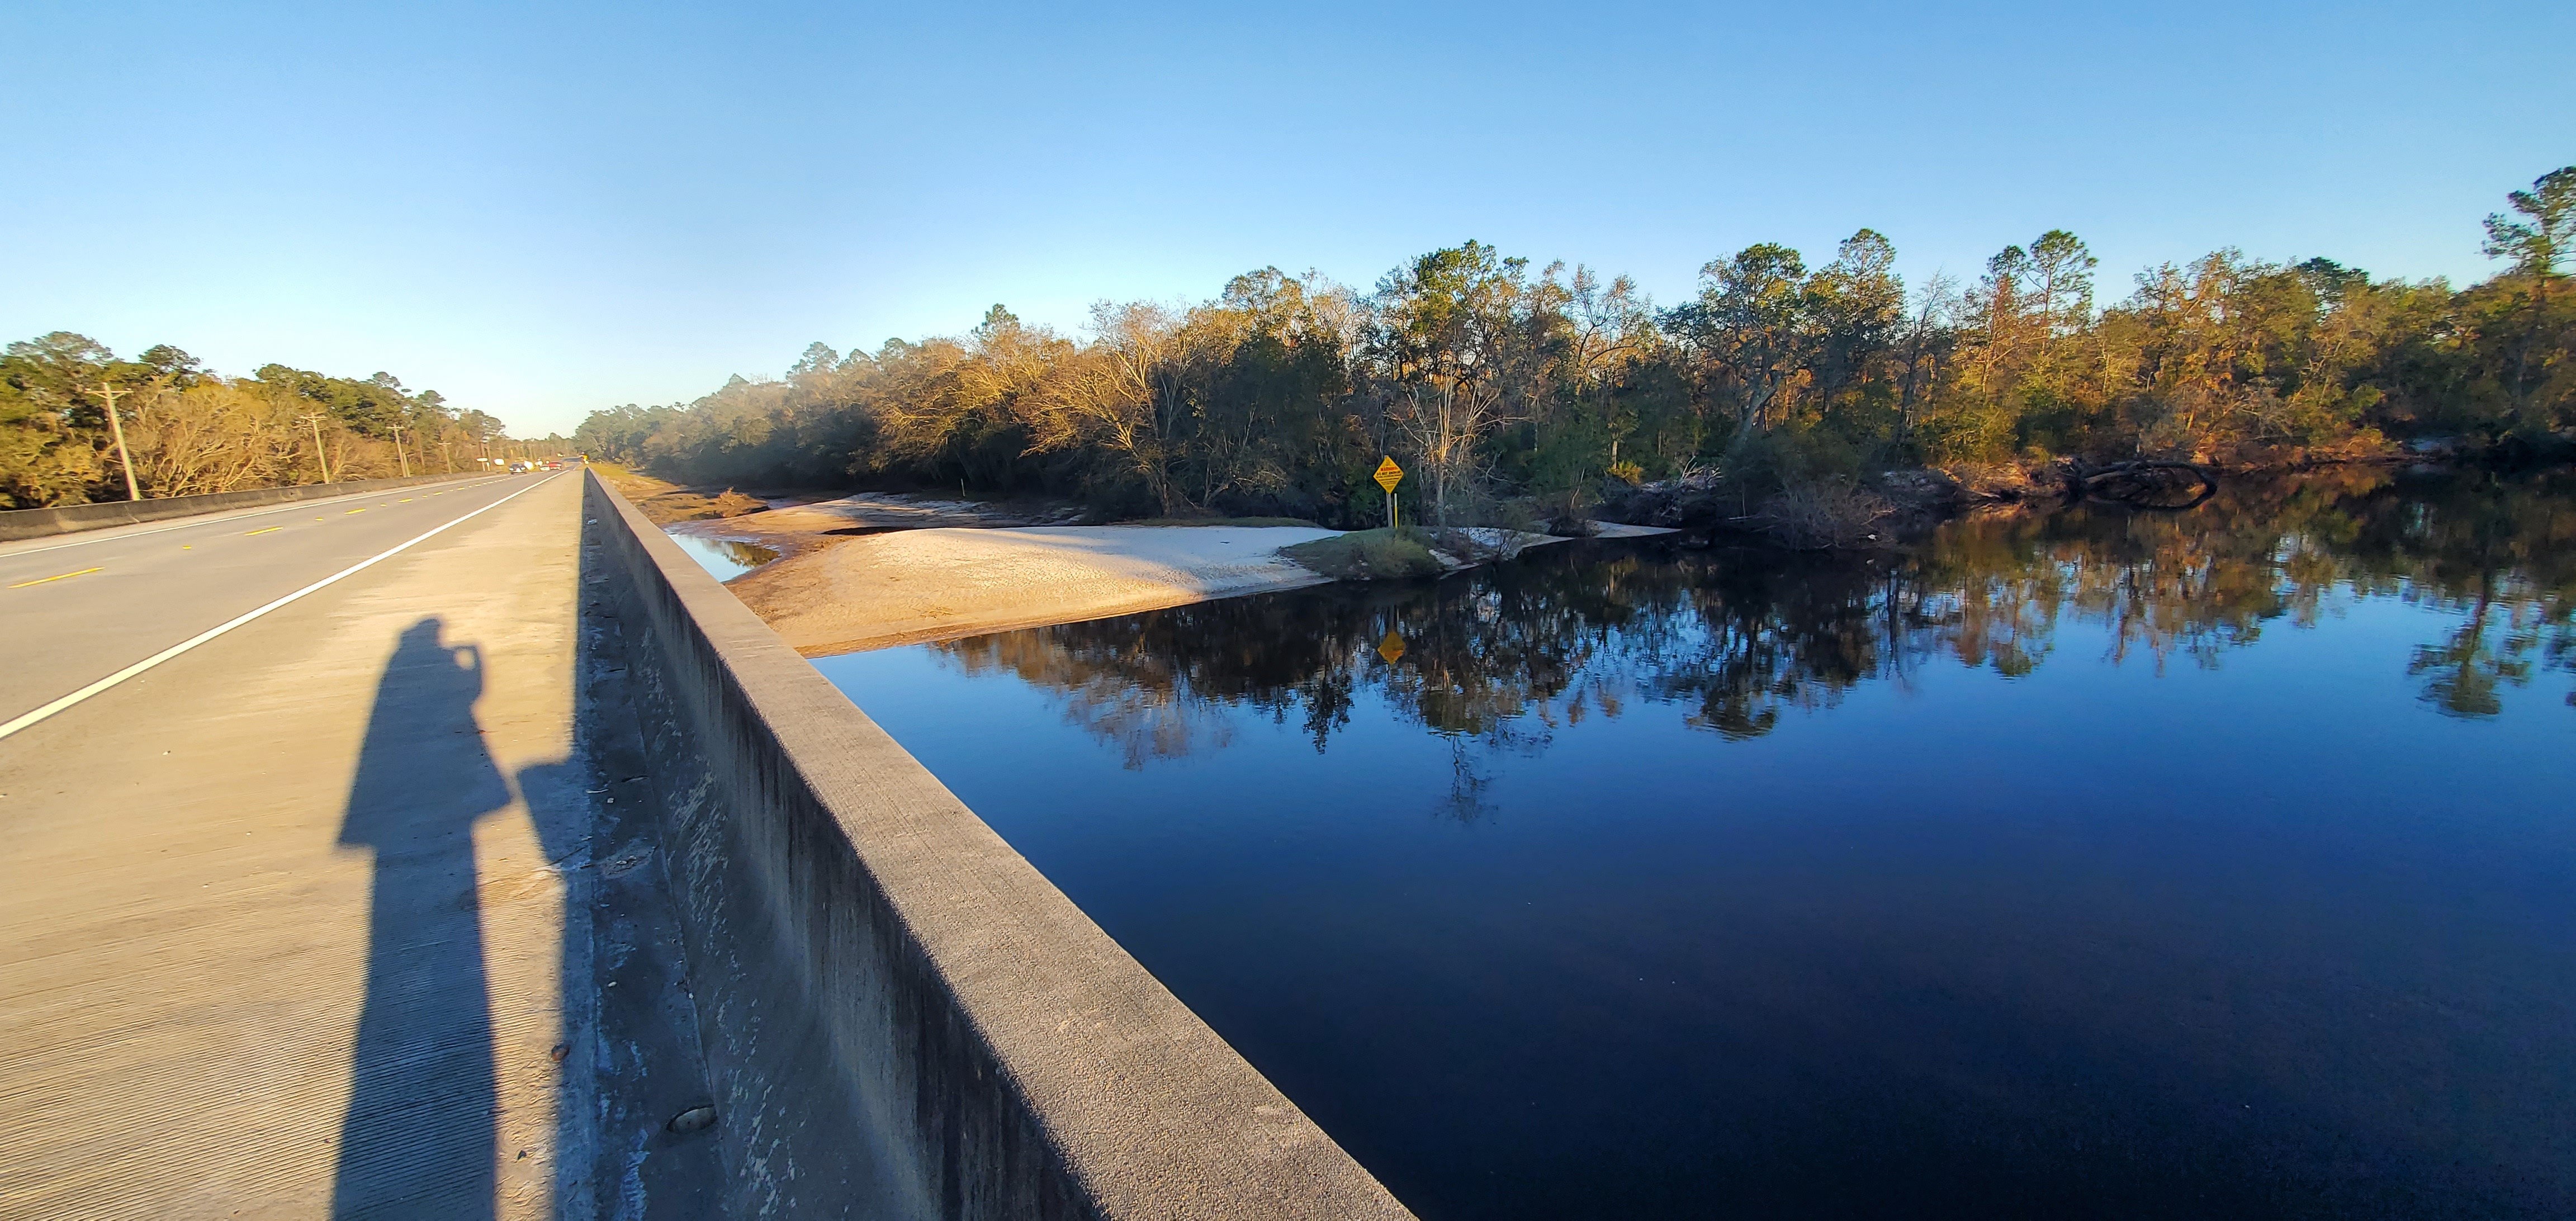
x=204, y=519
x=64, y=577
x=360, y=509
x=183, y=646
x=270, y=530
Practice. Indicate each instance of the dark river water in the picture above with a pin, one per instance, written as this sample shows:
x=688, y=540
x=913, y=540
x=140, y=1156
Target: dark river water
x=2097, y=863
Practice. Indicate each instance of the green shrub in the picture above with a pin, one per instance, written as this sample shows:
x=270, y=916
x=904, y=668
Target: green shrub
x=1367, y=555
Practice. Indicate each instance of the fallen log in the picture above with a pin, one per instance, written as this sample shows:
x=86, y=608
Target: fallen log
x=2141, y=483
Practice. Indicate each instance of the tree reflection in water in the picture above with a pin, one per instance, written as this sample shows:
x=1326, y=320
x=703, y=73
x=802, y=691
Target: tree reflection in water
x=1499, y=658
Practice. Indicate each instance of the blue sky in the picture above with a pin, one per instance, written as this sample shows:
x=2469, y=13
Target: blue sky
x=539, y=210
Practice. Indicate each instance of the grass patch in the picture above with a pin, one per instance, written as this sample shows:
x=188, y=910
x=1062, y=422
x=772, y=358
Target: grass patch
x=692, y=506
x=631, y=484
x=1368, y=555
x=663, y=503
x=1221, y=521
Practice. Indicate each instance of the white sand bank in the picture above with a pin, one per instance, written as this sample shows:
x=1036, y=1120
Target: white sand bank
x=938, y=584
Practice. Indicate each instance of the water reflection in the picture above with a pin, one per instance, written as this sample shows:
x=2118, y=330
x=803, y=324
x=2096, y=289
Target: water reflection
x=724, y=558
x=2096, y=864
x=1739, y=640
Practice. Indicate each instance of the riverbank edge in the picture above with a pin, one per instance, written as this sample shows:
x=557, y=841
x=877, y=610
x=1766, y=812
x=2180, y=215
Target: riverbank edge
x=1893, y=508
x=910, y=1020
x=986, y=627
x=943, y=583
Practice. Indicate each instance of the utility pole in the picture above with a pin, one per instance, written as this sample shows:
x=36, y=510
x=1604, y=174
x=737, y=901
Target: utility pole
x=123, y=459
x=320, y=458
x=399, y=455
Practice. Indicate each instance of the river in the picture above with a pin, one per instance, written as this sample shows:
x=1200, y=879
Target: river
x=2095, y=862
x=723, y=558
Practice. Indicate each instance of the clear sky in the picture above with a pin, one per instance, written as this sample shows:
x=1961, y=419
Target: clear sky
x=542, y=209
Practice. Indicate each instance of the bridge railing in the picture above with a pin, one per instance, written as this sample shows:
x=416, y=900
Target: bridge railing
x=903, y=1017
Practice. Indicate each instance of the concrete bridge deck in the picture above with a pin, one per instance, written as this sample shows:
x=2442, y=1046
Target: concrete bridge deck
x=357, y=853
x=284, y=919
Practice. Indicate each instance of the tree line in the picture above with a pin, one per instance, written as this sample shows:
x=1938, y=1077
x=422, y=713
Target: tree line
x=188, y=430
x=1504, y=654
x=1512, y=390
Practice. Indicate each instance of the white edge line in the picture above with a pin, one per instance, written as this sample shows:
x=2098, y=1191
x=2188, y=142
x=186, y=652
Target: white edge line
x=183, y=646
x=212, y=519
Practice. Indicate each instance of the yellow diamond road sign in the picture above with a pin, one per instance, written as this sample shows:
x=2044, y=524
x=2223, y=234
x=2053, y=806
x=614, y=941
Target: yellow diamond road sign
x=1391, y=648
x=1389, y=474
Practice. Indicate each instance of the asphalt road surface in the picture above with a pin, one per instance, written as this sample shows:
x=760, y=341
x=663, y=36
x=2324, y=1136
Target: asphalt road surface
x=293, y=923
x=79, y=608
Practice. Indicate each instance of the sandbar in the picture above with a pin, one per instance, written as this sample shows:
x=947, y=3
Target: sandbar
x=907, y=586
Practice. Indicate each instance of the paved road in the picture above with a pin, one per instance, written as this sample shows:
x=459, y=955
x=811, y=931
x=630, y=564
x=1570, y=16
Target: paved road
x=80, y=607
x=291, y=924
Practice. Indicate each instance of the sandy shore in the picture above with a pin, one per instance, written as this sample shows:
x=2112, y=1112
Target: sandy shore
x=938, y=584
x=869, y=570
x=861, y=511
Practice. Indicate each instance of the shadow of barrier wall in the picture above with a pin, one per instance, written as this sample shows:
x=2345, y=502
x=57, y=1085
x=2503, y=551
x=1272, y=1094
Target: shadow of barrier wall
x=902, y=1017
x=17, y=524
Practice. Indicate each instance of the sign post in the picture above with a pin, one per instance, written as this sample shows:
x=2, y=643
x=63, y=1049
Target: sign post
x=1389, y=475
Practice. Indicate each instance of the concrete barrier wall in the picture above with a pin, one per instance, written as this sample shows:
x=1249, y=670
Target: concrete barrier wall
x=902, y=1017
x=16, y=524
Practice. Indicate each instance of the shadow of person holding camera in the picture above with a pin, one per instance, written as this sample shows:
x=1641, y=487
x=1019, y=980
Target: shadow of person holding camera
x=417, y=1138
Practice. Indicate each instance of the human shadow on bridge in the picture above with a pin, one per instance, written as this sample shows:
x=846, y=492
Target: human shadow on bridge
x=417, y=1139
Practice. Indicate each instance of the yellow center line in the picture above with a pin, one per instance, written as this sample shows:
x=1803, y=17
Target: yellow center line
x=353, y=511
x=270, y=530
x=64, y=577
x=404, y=500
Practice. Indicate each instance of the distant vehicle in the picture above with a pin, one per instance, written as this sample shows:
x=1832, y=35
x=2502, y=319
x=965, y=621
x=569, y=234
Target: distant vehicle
x=518, y=468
